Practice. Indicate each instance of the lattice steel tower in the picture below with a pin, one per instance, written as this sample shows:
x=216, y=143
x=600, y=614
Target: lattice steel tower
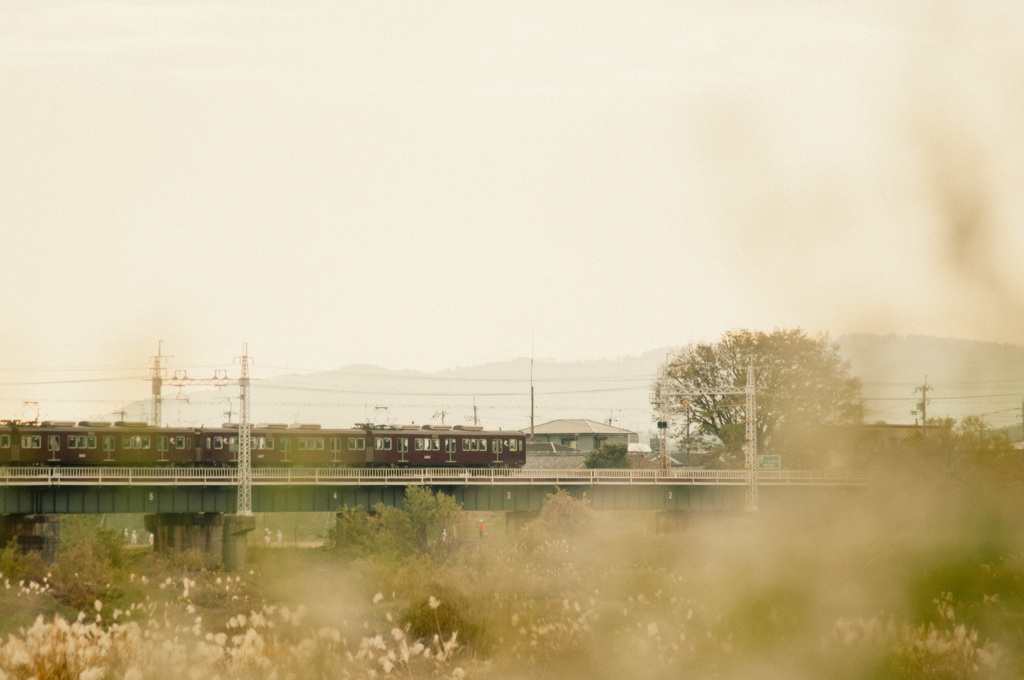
x=244, y=439
x=751, y=440
x=157, y=379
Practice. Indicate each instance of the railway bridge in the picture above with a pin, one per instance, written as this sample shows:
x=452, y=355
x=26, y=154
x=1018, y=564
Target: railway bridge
x=191, y=508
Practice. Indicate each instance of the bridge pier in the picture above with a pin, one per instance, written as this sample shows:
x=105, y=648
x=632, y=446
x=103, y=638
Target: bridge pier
x=32, y=533
x=222, y=537
x=236, y=541
x=515, y=520
x=671, y=521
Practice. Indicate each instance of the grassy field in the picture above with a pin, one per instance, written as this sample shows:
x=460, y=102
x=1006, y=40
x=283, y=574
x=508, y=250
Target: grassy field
x=907, y=580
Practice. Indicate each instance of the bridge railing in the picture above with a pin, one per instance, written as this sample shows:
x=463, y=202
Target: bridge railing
x=91, y=476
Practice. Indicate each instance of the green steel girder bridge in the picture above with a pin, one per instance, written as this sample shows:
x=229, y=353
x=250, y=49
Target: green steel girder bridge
x=37, y=490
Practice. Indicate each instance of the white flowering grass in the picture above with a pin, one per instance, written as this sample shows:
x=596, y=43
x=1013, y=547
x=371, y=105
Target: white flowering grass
x=275, y=642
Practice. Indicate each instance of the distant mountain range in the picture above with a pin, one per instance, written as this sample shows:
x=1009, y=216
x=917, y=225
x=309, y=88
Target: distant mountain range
x=967, y=377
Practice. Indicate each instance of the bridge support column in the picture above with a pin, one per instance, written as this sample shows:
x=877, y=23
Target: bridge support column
x=515, y=520
x=32, y=533
x=223, y=537
x=236, y=541
x=671, y=521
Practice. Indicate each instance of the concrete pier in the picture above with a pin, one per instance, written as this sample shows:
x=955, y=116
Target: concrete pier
x=32, y=533
x=236, y=540
x=671, y=521
x=515, y=520
x=223, y=537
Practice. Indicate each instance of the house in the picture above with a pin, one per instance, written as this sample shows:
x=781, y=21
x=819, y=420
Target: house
x=546, y=456
x=579, y=434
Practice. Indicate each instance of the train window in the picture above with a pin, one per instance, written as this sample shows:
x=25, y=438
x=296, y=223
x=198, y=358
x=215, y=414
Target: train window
x=31, y=441
x=126, y=442
x=403, y=444
x=356, y=443
x=218, y=442
x=449, y=445
x=232, y=444
x=495, y=446
x=91, y=441
x=311, y=444
x=179, y=442
x=465, y=444
x=419, y=443
x=72, y=442
x=270, y=443
x=5, y=441
x=382, y=444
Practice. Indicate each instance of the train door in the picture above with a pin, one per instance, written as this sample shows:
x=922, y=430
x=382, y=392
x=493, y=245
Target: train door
x=53, y=445
x=162, y=444
x=451, y=446
x=496, y=449
x=403, y=448
x=108, y=448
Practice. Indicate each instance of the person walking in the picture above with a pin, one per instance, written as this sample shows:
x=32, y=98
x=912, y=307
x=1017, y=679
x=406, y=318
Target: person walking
x=481, y=528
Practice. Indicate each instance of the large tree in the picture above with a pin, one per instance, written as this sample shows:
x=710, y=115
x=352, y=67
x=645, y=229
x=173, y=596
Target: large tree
x=608, y=456
x=801, y=384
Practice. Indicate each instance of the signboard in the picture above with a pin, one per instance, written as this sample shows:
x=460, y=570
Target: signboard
x=769, y=462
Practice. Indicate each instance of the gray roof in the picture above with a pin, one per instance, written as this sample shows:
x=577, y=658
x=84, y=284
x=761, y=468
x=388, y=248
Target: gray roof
x=554, y=461
x=576, y=426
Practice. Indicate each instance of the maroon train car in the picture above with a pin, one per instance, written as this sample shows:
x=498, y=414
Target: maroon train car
x=59, y=443
x=280, y=445
x=447, y=446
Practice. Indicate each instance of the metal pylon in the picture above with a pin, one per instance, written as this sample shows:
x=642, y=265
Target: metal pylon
x=751, y=441
x=244, y=440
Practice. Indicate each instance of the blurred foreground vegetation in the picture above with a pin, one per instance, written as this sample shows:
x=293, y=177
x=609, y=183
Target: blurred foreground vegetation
x=904, y=579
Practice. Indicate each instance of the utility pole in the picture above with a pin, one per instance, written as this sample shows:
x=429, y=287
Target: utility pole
x=663, y=448
x=531, y=392
x=923, y=405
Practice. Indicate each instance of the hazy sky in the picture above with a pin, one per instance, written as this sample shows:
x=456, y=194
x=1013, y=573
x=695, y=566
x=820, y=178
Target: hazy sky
x=428, y=185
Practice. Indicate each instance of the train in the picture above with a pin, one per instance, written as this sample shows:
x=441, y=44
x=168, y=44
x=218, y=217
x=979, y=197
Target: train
x=136, y=444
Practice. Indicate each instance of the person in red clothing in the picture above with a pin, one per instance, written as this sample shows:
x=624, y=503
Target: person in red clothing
x=481, y=528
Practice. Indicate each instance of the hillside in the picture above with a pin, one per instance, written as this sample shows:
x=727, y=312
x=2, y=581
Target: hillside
x=967, y=377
